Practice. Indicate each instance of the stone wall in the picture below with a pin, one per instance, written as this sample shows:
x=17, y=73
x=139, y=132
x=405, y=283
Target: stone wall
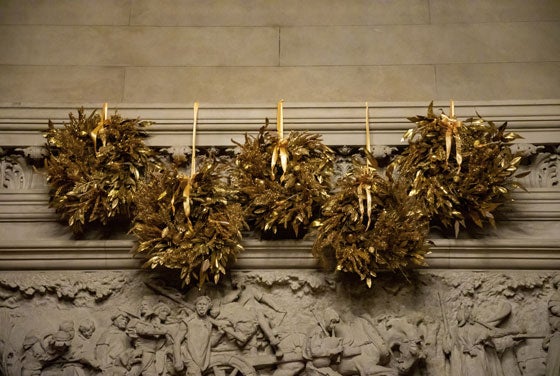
x=149, y=51
x=85, y=307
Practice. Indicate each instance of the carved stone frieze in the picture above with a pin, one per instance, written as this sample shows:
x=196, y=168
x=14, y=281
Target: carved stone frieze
x=17, y=172
x=20, y=168
x=280, y=323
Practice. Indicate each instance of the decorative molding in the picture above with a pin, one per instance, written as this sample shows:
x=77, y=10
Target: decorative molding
x=26, y=206
x=339, y=123
x=538, y=204
x=513, y=253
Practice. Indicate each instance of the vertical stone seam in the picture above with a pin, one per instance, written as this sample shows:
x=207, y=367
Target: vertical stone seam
x=436, y=81
x=130, y=6
x=279, y=45
x=123, y=92
x=429, y=12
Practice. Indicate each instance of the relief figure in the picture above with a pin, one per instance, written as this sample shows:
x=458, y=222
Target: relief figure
x=471, y=346
x=552, y=342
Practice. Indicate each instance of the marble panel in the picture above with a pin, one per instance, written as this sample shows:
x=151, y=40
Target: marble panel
x=278, y=12
x=470, y=11
x=64, y=12
x=420, y=44
x=138, y=46
x=268, y=84
x=499, y=81
x=60, y=84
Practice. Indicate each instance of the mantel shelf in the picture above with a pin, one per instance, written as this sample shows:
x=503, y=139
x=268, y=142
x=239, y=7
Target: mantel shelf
x=338, y=123
x=116, y=254
x=528, y=235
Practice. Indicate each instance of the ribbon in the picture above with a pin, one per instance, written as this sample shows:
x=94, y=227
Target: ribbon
x=281, y=147
x=188, y=179
x=364, y=190
x=99, y=129
x=368, y=142
x=452, y=126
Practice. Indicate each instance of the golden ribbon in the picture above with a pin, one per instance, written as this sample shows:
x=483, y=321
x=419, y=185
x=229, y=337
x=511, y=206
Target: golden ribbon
x=452, y=126
x=189, y=179
x=368, y=141
x=281, y=148
x=364, y=190
x=99, y=130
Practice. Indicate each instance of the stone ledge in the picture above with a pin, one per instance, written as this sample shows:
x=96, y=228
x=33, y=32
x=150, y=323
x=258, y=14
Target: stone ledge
x=339, y=123
x=32, y=206
x=484, y=254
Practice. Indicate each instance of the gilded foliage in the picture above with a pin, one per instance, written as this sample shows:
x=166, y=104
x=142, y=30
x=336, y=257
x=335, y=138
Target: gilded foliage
x=192, y=224
x=461, y=171
x=94, y=166
x=283, y=199
x=371, y=224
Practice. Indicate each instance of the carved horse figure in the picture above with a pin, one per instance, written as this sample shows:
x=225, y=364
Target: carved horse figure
x=406, y=344
x=371, y=352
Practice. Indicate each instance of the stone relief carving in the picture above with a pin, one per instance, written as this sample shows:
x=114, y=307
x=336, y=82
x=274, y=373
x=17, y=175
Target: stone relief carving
x=552, y=342
x=77, y=288
x=17, y=169
x=20, y=167
x=281, y=324
x=542, y=161
x=13, y=173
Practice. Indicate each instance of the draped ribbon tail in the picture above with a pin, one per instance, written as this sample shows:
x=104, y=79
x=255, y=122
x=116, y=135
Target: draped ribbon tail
x=452, y=126
x=458, y=148
x=369, y=205
x=93, y=134
x=187, y=198
x=360, y=203
x=284, y=158
x=448, y=141
x=187, y=207
x=274, y=159
x=364, y=193
x=280, y=152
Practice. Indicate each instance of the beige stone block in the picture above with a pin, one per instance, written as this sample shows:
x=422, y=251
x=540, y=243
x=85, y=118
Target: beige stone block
x=268, y=84
x=61, y=84
x=476, y=11
x=140, y=46
x=278, y=12
x=64, y=12
x=498, y=81
x=420, y=44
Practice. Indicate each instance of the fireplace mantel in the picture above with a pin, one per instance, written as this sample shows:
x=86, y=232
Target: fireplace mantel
x=527, y=237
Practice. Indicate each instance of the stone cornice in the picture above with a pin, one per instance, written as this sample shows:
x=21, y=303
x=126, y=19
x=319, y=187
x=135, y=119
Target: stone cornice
x=116, y=254
x=339, y=123
x=538, y=204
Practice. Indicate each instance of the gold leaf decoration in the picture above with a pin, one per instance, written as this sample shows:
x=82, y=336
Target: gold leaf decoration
x=371, y=224
x=458, y=182
x=200, y=243
x=283, y=199
x=93, y=167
